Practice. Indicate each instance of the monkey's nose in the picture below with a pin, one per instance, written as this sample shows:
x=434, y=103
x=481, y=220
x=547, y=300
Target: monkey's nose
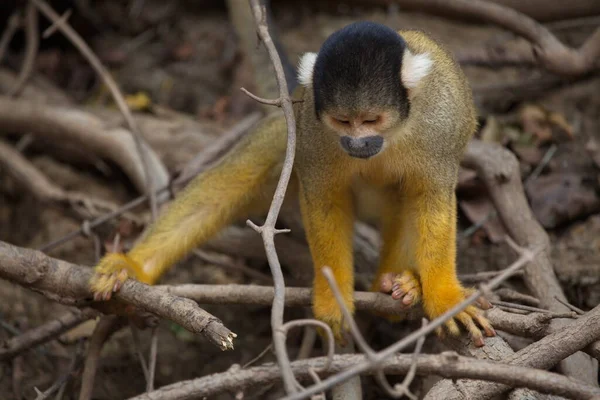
x=363, y=147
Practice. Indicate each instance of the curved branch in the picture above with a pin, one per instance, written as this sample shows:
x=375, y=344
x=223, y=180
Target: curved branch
x=80, y=129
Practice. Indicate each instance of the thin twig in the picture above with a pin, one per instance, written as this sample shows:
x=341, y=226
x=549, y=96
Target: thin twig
x=538, y=169
x=152, y=359
x=13, y=23
x=268, y=230
x=31, y=49
x=570, y=306
x=137, y=344
x=43, y=333
x=87, y=52
x=60, y=382
x=106, y=326
x=259, y=356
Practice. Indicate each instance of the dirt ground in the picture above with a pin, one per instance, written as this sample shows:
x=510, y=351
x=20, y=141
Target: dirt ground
x=184, y=56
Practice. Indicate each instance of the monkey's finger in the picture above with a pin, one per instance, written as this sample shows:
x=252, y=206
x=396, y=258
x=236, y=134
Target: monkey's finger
x=408, y=299
x=483, y=303
x=485, y=325
x=440, y=332
x=473, y=330
x=397, y=294
x=481, y=320
x=386, y=282
x=452, y=327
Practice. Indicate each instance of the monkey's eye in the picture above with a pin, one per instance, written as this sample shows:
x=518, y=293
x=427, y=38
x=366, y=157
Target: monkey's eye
x=371, y=120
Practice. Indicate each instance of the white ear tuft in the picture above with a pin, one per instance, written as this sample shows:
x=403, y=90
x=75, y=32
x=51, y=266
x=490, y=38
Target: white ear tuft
x=305, y=68
x=414, y=68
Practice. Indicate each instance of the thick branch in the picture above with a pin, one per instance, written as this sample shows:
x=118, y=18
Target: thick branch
x=546, y=49
x=68, y=283
x=448, y=365
x=543, y=354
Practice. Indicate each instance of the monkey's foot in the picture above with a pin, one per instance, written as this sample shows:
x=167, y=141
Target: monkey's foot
x=404, y=287
x=471, y=318
x=110, y=274
x=326, y=309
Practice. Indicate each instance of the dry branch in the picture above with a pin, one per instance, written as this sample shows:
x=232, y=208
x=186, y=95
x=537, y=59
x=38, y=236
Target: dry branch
x=105, y=328
x=543, y=354
x=83, y=130
x=31, y=49
x=546, y=50
x=268, y=230
x=43, y=333
x=36, y=183
x=12, y=24
x=69, y=284
x=534, y=325
x=447, y=365
x=499, y=169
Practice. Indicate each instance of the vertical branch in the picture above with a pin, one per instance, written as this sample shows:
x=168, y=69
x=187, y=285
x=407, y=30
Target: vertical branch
x=31, y=49
x=268, y=230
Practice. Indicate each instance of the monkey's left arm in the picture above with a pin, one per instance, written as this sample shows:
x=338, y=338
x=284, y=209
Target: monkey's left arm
x=434, y=219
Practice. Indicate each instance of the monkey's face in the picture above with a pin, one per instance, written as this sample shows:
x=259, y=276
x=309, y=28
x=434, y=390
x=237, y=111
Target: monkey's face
x=361, y=134
x=358, y=86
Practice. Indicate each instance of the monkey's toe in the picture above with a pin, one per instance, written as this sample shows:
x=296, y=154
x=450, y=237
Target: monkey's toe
x=473, y=321
x=110, y=275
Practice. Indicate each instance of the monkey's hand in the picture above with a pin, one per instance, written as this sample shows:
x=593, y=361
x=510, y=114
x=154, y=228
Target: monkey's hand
x=446, y=296
x=112, y=271
x=404, y=287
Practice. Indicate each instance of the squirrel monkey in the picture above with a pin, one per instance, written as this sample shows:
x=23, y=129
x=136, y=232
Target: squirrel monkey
x=384, y=120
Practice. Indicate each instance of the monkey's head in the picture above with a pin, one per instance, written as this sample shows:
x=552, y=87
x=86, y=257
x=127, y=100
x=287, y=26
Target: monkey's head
x=360, y=80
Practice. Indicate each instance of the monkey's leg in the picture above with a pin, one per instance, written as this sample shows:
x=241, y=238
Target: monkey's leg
x=329, y=221
x=435, y=255
x=244, y=178
x=395, y=274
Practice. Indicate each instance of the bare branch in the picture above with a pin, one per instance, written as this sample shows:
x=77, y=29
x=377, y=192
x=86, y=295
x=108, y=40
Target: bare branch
x=13, y=23
x=546, y=50
x=43, y=333
x=69, y=284
x=106, y=326
x=80, y=129
x=268, y=230
x=447, y=365
x=31, y=49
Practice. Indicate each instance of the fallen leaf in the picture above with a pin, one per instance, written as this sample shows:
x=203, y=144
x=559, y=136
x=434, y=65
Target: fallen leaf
x=531, y=155
x=562, y=197
x=480, y=210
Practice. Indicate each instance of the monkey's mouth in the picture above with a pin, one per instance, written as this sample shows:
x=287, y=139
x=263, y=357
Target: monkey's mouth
x=364, y=147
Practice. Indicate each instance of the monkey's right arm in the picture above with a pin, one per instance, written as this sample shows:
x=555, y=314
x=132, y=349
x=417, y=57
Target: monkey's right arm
x=243, y=182
x=328, y=219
